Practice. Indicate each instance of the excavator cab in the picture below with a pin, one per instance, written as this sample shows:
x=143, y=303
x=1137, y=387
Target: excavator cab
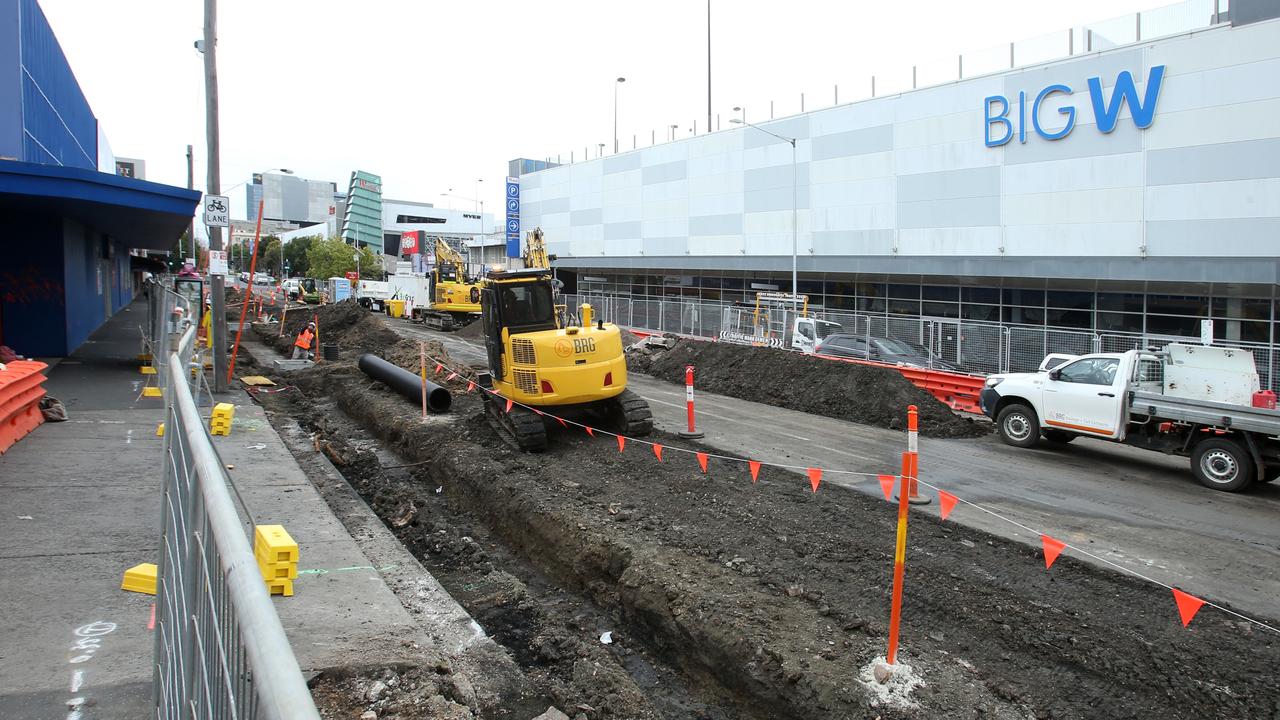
x=537, y=363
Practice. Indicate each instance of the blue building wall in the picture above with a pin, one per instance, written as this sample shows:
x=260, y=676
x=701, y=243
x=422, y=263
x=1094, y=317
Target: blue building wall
x=53, y=122
x=32, y=301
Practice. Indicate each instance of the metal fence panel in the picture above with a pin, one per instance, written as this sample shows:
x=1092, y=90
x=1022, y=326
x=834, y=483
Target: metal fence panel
x=220, y=651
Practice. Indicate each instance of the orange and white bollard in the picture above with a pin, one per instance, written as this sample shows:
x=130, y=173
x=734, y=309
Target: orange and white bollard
x=693, y=432
x=913, y=449
x=900, y=549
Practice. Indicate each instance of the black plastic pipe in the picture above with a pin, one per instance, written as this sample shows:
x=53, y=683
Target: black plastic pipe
x=405, y=382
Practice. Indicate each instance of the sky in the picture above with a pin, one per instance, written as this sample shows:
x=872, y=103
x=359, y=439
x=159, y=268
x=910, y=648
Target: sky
x=435, y=96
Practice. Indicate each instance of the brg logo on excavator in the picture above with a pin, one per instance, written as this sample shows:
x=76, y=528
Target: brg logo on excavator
x=584, y=345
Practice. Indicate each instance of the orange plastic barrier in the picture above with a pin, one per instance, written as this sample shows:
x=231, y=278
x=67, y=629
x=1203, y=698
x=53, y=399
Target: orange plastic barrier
x=20, y=393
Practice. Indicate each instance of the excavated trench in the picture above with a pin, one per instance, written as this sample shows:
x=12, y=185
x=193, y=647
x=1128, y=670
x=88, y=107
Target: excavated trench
x=732, y=599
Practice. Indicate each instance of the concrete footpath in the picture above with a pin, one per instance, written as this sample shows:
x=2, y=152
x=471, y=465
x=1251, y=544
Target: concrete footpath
x=80, y=503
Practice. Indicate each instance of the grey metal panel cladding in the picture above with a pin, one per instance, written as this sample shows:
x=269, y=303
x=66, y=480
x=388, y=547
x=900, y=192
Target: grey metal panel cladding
x=622, y=230
x=553, y=205
x=796, y=127
x=622, y=163
x=590, y=216
x=878, y=138
x=1249, y=160
x=530, y=209
x=715, y=224
x=1084, y=141
x=666, y=172
x=853, y=242
x=949, y=184
x=1245, y=12
x=658, y=246
x=964, y=212
x=775, y=176
x=530, y=181
x=1074, y=74
x=1197, y=238
x=774, y=199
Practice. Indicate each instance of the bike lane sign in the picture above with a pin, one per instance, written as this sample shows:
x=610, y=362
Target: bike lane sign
x=217, y=210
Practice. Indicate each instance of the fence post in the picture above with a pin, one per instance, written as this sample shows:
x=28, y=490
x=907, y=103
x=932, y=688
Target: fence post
x=900, y=548
x=692, y=433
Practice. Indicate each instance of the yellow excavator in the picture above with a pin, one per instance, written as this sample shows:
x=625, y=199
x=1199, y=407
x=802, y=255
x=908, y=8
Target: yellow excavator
x=540, y=364
x=455, y=295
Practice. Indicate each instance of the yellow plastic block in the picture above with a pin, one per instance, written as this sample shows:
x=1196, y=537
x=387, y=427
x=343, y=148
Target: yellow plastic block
x=220, y=431
x=140, y=578
x=280, y=587
x=273, y=544
x=160, y=430
x=224, y=410
x=277, y=571
x=147, y=370
x=152, y=392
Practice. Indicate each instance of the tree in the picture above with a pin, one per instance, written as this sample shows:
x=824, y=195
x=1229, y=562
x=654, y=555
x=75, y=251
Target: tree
x=269, y=256
x=295, y=254
x=334, y=258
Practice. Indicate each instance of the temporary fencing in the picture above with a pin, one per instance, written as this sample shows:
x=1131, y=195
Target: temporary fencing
x=907, y=480
x=220, y=650
x=21, y=389
x=972, y=346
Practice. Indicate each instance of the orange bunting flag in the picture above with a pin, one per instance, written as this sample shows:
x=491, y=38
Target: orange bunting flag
x=470, y=386
x=815, y=477
x=562, y=422
x=886, y=484
x=622, y=442
x=509, y=404
x=946, y=502
x=537, y=411
x=657, y=451
x=439, y=367
x=755, y=469
x=589, y=431
x=1052, y=549
x=1188, y=605
x=702, y=460
x=452, y=375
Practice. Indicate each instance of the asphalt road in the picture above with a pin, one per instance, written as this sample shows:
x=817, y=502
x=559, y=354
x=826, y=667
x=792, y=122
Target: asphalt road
x=1139, y=509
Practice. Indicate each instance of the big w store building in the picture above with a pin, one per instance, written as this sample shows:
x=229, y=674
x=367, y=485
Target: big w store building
x=1112, y=198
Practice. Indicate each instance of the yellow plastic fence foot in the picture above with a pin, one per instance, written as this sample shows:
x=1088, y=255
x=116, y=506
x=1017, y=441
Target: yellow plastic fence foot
x=140, y=578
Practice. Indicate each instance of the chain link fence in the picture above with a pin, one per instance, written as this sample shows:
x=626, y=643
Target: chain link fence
x=220, y=650
x=970, y=346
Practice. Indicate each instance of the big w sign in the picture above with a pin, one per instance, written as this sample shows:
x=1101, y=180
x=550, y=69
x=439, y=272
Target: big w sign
x=998, y=127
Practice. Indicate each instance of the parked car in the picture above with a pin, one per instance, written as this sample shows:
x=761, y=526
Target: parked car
x=885, y=350
x=262, y=279
x=292, y=288
x=244, y=277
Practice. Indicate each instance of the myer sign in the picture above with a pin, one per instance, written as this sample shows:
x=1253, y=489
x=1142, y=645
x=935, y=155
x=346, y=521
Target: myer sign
x=998, y=127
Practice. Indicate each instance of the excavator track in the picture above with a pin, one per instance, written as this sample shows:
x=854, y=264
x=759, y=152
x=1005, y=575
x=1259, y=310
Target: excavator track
x=521, y=428
x=630, y=414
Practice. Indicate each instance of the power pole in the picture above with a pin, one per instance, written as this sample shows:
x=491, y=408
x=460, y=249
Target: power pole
x=191, y=226
x=215, y=186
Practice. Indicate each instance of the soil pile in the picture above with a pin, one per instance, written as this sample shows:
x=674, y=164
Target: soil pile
x=847, y=391
x=346, y=323
x=474, y=331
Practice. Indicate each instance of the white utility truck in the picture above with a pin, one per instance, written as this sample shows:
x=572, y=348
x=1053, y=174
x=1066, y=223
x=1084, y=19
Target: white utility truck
x=1190, y=400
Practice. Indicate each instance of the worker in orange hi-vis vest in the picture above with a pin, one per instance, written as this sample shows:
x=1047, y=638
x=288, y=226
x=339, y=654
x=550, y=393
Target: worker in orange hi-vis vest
x=302, y=346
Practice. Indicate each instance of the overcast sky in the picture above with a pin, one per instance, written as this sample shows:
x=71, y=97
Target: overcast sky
x=435, y=95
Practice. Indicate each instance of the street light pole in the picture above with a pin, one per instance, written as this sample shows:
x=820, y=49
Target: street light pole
x=616, y=83
x=795, y=203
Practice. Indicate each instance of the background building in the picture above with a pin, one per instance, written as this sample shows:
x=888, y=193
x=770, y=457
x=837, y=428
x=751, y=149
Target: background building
x=458, y=226
x=988, y=207
x=288, y=198
x=70, y=227
x=362, y=221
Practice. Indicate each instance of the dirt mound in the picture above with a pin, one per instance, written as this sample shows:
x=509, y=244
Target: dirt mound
x=629, y=338
x=474, y=331
x=352, y=327
x=769, y=597
x=859, y=393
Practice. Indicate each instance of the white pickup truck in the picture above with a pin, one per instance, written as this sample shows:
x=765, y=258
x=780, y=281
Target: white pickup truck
x=1188, y=400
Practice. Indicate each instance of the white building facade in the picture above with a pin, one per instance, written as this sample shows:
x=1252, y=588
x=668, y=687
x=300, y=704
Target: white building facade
x=1133, y=190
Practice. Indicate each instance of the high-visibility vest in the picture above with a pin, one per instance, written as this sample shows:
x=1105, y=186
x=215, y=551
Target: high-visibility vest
x=304, y=339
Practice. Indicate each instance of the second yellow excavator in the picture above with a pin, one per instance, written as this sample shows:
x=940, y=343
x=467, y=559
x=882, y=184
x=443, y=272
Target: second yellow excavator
x=455, y=295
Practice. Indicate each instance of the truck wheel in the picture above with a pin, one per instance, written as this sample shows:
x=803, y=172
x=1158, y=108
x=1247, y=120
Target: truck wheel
x=1061, y=437
x=1222, y=464
x=1018, y=426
